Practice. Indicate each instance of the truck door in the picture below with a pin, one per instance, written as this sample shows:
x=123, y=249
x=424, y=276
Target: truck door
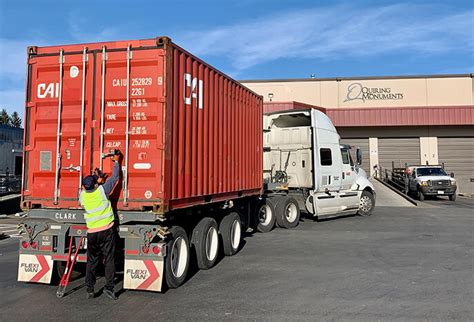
x=330, y=167
x=348, y=174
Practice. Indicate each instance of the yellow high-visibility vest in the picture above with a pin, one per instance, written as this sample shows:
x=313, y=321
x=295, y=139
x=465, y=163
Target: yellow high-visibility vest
x=99, y=212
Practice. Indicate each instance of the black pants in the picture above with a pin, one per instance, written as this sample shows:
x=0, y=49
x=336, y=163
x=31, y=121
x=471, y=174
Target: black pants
x=101, y=243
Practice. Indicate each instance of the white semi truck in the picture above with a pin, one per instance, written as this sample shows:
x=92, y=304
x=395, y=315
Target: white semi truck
x=302, y=148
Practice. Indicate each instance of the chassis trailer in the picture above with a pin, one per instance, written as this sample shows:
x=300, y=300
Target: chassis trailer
x=192, y=179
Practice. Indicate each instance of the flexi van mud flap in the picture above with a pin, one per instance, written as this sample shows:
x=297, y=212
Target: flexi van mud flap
x=35, y=268
x=143, y=274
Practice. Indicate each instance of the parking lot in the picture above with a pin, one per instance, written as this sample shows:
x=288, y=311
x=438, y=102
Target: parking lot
x=402, y=263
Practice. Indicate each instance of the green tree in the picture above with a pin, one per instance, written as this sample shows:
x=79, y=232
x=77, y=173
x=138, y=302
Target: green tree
x=15, y=120
x=5, y=118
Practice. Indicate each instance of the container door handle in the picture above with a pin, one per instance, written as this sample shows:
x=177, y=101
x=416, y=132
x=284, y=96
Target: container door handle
x=58, y=132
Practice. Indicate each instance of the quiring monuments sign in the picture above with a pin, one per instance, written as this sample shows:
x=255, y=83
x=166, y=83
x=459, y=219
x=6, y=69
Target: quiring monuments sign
x=356, y=91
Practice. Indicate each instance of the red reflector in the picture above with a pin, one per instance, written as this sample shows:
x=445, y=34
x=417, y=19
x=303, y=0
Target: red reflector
x=145, y=249
x=24, y=244
x=156, y=250
x=34, y=245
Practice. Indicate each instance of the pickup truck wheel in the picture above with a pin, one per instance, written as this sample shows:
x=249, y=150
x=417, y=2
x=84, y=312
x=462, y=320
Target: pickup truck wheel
x=205, y=240
x=266, y=214
x=452, y=197
x=287, y=212
x=177, y=259
x=230, y=230
x=420, y=195
x=366, y=203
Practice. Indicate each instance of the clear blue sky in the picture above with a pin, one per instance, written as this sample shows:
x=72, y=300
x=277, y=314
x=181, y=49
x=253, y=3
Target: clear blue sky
x=253, y=39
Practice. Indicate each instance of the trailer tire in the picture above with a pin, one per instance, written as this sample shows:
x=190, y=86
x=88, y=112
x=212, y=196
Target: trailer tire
x=366, y=204
x=265, y=214
x=78, y=270
x=177, y=259
x=287, y=212
x=230, y=230
x=205, y=240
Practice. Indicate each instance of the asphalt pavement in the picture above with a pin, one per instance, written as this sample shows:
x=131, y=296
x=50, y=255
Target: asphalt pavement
x=402, y=263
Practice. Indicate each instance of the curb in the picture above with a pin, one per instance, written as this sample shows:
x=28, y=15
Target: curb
x=413, y=201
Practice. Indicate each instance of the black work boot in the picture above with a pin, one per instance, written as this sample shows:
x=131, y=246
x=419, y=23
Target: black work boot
x=90, y=294
x=110, y=294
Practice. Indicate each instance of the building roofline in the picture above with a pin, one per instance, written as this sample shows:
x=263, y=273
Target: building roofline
x=281, y=80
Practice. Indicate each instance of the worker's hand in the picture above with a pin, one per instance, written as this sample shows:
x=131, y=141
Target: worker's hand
x=117, y=157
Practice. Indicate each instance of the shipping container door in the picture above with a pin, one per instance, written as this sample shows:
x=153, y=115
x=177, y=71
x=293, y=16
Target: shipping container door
x=399, y=150
x=457, y=154
x=140, y=113
x=59, y=90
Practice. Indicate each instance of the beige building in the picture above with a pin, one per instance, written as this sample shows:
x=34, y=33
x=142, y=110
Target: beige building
x=400, y=120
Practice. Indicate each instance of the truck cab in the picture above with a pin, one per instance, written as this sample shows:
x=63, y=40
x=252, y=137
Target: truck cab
x=304, y=147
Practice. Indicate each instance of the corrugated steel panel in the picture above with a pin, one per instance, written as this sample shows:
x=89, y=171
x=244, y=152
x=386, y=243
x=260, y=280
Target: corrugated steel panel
x=195, y=135
x=457, y=154
x=400, y=151
x=403, y=116
x=271, y=107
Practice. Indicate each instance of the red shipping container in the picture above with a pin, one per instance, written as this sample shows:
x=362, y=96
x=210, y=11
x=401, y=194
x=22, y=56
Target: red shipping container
x=193, y=134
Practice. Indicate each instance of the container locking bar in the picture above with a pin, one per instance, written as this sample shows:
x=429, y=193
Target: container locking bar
x=58, y=132
x=83, y=108
x=127, y=130
x=102, y=109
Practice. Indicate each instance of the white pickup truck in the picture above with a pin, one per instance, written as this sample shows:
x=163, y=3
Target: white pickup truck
x=302, y=147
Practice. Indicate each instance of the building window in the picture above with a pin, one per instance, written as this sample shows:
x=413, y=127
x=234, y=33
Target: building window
x=325, y=156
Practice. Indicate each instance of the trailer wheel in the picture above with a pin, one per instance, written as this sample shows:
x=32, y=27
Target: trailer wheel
x=366, y=203
x=230, y=229
x=287, y=212
x=205, y=239
x=266, y=214
x=78, y=270
x=177, y=259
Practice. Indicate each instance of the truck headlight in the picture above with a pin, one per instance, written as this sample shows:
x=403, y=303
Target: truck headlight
x=453, y=182
x=424, y=183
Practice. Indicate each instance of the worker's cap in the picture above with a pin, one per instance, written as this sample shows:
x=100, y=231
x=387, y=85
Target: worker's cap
x=89, y=182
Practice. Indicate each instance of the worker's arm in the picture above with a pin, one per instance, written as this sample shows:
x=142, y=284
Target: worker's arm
x=112, y=181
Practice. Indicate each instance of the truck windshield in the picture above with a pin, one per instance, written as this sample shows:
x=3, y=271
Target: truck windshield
x=431, y=172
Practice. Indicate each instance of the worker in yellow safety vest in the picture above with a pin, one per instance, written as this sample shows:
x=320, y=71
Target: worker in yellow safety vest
x=101, y=234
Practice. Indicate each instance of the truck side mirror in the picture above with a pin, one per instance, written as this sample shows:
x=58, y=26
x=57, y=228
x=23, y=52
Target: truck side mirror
x=358, y=156
x=452, y=174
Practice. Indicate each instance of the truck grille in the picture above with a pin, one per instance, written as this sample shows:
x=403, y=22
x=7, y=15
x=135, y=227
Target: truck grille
x=440, y=183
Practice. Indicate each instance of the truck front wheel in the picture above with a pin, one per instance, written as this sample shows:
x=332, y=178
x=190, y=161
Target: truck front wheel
x=177, y=259
x=230, y=229
x=287, y=212
x=452, y=197
x=366, y=203
x=420, y=195
x=205, y=240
